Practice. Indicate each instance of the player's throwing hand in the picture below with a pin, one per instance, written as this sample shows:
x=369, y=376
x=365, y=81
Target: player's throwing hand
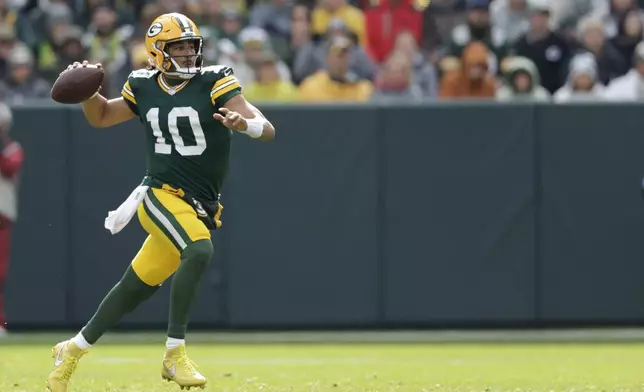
x=85, y=63
x=231, y=120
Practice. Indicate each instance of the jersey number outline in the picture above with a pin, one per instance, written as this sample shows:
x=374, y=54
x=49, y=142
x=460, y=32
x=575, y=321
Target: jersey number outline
x=161, y=147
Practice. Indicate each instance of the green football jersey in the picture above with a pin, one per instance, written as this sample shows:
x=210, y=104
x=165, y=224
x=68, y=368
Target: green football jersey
x=186, y=147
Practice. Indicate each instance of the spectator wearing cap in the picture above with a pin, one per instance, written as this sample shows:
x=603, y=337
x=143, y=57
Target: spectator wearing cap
x=522, y=82
x=582, y=84
x=610, y=62
x=629, y=87
x=254, y=42
x=328, y=10
x=511, y=18
x=478, y=28
x=630, y=32
x=313, y=57
x=22, y=83
x=336, y=82
x=547, y=49
x=472, y=78
x=386, y=19
x=268, y=86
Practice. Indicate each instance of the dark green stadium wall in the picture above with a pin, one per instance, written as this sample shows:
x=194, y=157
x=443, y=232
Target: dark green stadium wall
x=358, y=216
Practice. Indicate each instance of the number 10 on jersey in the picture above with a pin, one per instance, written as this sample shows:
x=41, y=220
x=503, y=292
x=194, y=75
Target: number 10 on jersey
x=161, y=147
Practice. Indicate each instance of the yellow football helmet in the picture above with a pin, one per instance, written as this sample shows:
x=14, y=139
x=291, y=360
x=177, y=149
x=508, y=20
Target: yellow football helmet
x=167, y=29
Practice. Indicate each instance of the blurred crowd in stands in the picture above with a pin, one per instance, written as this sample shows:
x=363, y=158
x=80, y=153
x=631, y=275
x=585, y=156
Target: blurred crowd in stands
x=352, y=50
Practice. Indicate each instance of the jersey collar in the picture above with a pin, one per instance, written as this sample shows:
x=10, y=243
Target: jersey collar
x=172, y=90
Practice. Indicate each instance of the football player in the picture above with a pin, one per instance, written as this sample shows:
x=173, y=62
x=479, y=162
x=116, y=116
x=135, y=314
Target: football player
x=189, y=112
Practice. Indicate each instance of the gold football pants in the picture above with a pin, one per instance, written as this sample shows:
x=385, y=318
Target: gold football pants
x=172, y=225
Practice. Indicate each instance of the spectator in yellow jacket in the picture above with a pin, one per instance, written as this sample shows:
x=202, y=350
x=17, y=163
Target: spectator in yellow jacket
x=336, y=83
x=268, y=86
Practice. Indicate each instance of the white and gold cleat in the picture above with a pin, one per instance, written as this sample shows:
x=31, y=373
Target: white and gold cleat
x=66, y=356
x=179, y=368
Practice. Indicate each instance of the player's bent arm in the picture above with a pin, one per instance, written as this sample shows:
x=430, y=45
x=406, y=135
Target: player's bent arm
x=240, y=105
x=101, y=112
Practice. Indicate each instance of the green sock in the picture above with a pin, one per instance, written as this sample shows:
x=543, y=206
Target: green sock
x=124, y=297
x=194, y=260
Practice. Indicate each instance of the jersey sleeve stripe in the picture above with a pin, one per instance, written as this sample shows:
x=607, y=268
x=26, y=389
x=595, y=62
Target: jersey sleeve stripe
x=128, y=95
x=224, y=91
x=223, y=80
x=127, y=87
x=127, y=92
x=215, y=90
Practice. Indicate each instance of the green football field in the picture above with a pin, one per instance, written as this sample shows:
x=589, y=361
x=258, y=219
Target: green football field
x=132, y=363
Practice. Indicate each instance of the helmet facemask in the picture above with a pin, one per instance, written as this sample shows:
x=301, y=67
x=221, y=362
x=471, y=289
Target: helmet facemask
x=172, y=64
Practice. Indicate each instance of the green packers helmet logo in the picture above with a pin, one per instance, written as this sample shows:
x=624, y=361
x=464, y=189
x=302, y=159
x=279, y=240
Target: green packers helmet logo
x=155, y=29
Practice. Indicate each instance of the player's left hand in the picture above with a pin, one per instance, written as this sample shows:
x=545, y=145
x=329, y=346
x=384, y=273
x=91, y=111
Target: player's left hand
x=231, y=120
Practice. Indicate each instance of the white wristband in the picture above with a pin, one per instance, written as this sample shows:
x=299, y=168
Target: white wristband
x=254, y=127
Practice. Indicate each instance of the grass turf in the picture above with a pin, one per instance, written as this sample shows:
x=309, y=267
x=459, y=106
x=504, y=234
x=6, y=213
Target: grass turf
x=546, y=367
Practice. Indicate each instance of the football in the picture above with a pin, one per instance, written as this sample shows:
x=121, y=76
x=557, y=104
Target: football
x=76, y=85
